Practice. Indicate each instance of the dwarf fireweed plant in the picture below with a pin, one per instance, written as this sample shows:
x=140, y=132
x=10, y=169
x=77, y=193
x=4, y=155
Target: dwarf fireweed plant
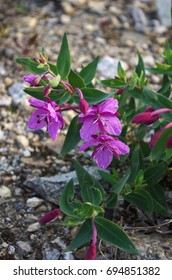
x=116, y=126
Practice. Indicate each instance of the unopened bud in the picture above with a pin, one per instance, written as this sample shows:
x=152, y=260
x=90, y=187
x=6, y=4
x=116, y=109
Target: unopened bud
x=91, y=253
x=36, y=59
x=42, y=60
x=33, y=80
x=47, y=90
x=49, y=216
x=83, y=106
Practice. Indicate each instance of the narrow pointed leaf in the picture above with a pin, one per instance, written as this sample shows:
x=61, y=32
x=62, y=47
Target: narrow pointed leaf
x=69, y=142
x=155, y=173
x=113, y=234
x=75, y=80
x=88, y=72
x=117, y=188
x=87, y=182
x=83, y=236
x=64, y=60
x=140, y=199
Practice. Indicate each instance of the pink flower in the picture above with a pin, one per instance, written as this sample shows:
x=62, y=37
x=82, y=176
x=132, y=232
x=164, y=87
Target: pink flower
x=107, y=146
x=149, y=116
x=45, y=116
x=33, y=80
x=91, y=253
x=100, y=118
x=158, y=134
x=49, y=216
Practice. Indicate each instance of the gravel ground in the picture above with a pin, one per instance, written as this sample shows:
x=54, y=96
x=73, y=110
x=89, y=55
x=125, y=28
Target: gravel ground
x=112, y=29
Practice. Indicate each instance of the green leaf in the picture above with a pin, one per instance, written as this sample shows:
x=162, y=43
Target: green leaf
x=155, y=173
x=166, y=86
x=65, y=203
x=140, y=199
x=72, y=137
x=38, y=92
x=113, y=234
x=72, y=222
x=75, y=80
x=93, y=96
x=160, y=146
x=134, y=165
x=161, y=70
x=159, y=200
x=121, y=72
x=140, y=68
x=112, y=83
x=117, y=188
x=151, y=98
x=83, y=236
x=87, y=182
x=110, y=178
x=64, y=60
x=88, y=72
x=65, y=98
x=111, y=201
x=31, y=65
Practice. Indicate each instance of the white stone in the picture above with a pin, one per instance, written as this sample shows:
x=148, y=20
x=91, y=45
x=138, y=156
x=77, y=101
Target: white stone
x=22, y=140
x=33, y=227
x=33, y=202
x=5, y=192
x=107, y=66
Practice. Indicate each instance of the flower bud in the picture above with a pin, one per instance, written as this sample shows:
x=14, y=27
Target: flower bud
x=42, y=60
x=49, y=216
x=91, y=253
x=83, y=106
x=47, y=90
x=33, y=80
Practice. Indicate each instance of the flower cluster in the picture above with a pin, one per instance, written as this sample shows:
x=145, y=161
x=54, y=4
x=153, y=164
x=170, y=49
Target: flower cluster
x=100, y=123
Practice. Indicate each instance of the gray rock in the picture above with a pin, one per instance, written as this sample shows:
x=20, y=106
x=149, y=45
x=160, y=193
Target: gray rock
x=164, y=8
x=107, y=66
x=139, y=18
x=23, y=248
x=5, y=101
x=17, y=93
x=59, y=242
x=50, y=188
x=5, y=192
x=50, y=253
x=33, y=202
x=68, y=256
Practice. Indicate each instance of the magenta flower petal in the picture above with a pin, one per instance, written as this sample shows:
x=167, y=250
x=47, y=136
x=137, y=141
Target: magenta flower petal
x=53, y=130
x=45, y=116
x=112, y=125
x=109, y=105
x=88, y=129
x=38, y=119
x=103, y=156
x=37, y=103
